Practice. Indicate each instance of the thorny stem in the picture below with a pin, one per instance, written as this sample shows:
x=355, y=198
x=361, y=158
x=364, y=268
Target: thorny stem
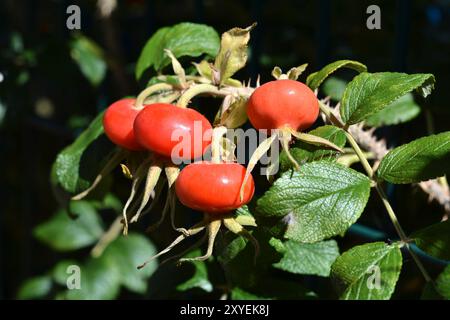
x=362, y=158
x=149, y=91
x=402, y=234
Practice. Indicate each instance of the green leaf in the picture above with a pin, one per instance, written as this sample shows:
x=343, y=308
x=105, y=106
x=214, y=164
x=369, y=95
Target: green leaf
x=429, y=292
x=434, y=240
x=440, y=289
x=306, y=258
x=89, y=57
x=61, y=271
x=321, y=200
x=78, y=164
x=369, y=93
x=315, y=79
x=244, y=217
x=183, y=39
x=237, y=257
x=127, y=253
x=443, y=283
x=109, y=201
x=199, y=279
x=233, y=52
x=305, y=152
x=34, y=288
x=401, y=110
x=239, y=294
x=100, y=280
x=356, y=271
x=64, y=234
x=422, y=159
x=271, y=288
x=334, y=88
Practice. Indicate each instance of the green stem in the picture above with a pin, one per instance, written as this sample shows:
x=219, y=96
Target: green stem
x=401, y=233
x=149, y=91
x=327, y=111
x=388, y=206
x=196, y=90
x=362, y=158
x=360, y=154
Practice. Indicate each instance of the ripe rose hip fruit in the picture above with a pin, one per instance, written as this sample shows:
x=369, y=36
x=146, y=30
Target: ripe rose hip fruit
x=283, y=103
x=213, y=187
x=160, y=127
x=118, y=124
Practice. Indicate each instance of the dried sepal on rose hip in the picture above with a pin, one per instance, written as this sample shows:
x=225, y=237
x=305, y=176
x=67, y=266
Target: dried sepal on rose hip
x=117, y=123
x=284, y=108
x=161, y=128
x=156, y=128
x=213, y=188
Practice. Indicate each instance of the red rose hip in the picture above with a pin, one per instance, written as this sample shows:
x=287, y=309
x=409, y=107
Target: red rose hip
x=213, y=187
x=118, y=124
x=161, y=127
x=283, y=103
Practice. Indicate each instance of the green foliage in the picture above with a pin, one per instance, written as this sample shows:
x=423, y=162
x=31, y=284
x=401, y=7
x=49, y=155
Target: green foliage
x=305, y=152
x=357, y=269
x=434, y=240
x=237, y=257
x=334, y=88
x=77, y=165
x=184, y=39
x=59, y=271
x=199, y=278
x=100, y=280
x=321, y=200
x=292, y=221
x=89, y=57
x=369, y=93
x=401, y=110
x=422, y=159
x=35, y=288
x=315, y=79
x=239, y=294
x=443, y=283
x=306, y=258
x=65, y=234
x=272, y=288
x=127, y=253
x=440, y=289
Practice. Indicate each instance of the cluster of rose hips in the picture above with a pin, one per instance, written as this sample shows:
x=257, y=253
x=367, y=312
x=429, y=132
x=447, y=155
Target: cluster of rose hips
x=214, y=187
